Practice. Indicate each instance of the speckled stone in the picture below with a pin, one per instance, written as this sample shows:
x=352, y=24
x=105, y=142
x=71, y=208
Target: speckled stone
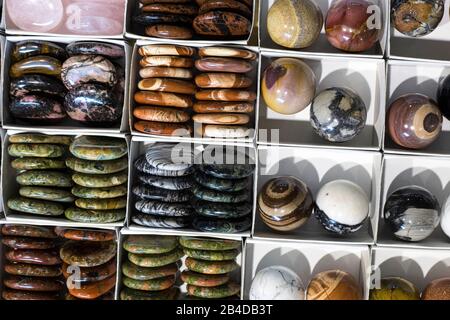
x=97, y=167
x=169, y=183
x=39, y=257
x=35, y=150
x=227, y=290
x=210, y=255
x=142, y=165
x=395, y=288
x=226, y=5
x=204, y=280
x=99, y=193
x=220, y=196
x=222, y=24
x=147, y=244
x=85, y=234
x=32, y=270
x=88, y=253
x=209, y=243
x=28, y=231
x=131, y=294
x=218, y=184
x=146, y=19
x=98, y=148
x=44, y=178
x=35, y=163
x=108, y=50
x=100, y=181
x=38, y=84
x=154, y=221
x=37, y=108
x=135, y=272
x=223, y=106
x=222, y=225
x=33, y=283
x=40, y=138
x=154, y=193
x=211, y=267
x=157, y=284
x=438, y=289
x=228, y=171
x=172, y=8
x=20, y=295
x=102, y=204
x=94, y=216
x=44, y=193
x=38, y=207
x=223, y=210
x=156, y=260
x=93, y=290
x=28, y=243
x=160, y=208
x=90, y=274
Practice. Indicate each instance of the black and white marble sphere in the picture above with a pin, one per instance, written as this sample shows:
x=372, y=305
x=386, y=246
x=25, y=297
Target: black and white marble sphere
x=412, y=212
x=445, y=219
x=338, y=114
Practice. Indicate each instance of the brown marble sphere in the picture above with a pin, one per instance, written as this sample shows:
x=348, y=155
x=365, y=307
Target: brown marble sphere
x=167, y=85
x=166, y=61
x=166, y=31
x=222, y=24
x=227, y=52
x=32, y=270
x=163, y=129
x=221, y=118
x=93, y=290
x=28, y=231
x=438, y=289
x=41, y=257
x=28, y=295
x=223, y=65
x=160, y=114
x=164, y=99
x=222, y=80
x=33, y=283
x=170, y=8
x=28, y=243
x=85, y=234
x=218, y=106
x=166, y=50
x=168, y=72
x=333, y=285
x=225, y=95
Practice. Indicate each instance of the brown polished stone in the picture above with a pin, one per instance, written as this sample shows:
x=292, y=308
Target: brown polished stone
x=166, y=61
x=223, y=65
x=28, y=295
x=163, y=129
x=248, y=3
x=165, y=50
x=164, y=1
x=93, y=290
x=224, y=24
x=154, y=72
x=88, y=253
x=28, y=243
x=89, y=274
x=33, y=283
x=225, y=95
x=167, y=85
x=167, y=31
x=222, y=80
x=160, y=114
x=32, y=270
x=42, y=257
x=217, y=107
x=85, y=234
x=164, y=99
x=221, y=118
x=227, y=52
x=39, y=64
x=28, y=231
x=226, y=5
x=186, y=9
x=225, y=131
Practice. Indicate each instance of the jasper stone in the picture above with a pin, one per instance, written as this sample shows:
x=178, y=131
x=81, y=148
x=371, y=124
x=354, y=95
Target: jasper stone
x=99, y=193
x=35, y=107
x=223, y=65
x=102, y=204
x=28, y=295
x=154, y=193
x=108, y=50
x=94, y=216
x=167, y=85
x=32, y=270
x=83, y=69
x=169, y=183
x=40, y=138
x=142, y=165
x=222, y=80
x=140, y=244
x=204, y=280
x=163, y=129
x=166, y=50
x=160, y=208
x=39, y=207
x=224, y=131
x=88, y=253
x=33, y=283
x=146, y=19
x=228, y=52
x=98, y=148
x=168, y=72
x=166, y=61
x=85, y=234
x=167, y=31
x=210, y=255
x=211, y=267
x=157, y=284
x=28, y=231
x=222, y=210
x=163, y=99
x=92, y=103
x=40, y=257
x=166, y=156
x=44, y=178
x=140, y=273
x=161, y=114
x=38, y=84
x=222, y=107
x=228, y=171
x=32, y=163
x=28, y=243
x=30, y=48
x=35, y=150
x=225, y=95
x=153, y=221
x=90, y=274
x=220, y=196
x=156, y=260
x=226, y=5
x=44, y=193
x=209, y=243
x=100, y=181
x=186, y=9
x=93, y=290
x=221, y=118
x=97, y=167
x=36, y=65
x=219, y=292
x=218, y=184
x=131, y=294
x=224, y=24
x=222, y=225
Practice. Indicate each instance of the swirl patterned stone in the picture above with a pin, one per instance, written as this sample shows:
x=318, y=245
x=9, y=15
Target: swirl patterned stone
x=169, y=183
x=163, y=208
x=333, y=285
x=211, y=195
x=142, y=165
x=222, y=24
x=222, y=210
x=228, y=171
x=152, y=221
x=207, y=224
x=166, y=50
x=218, y=64
x=167, y=85
x=166, y=156
x=37, y=84
x=229, y=52
x=221, y=184
x=154, y=193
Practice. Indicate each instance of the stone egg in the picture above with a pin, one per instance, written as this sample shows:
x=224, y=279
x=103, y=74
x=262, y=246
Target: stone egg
x=444, y=97
x=341, y=206
x=438, y=289
x=412, y=213
x=294, y=23
x=395, y=288
x=348, y=25
x=416, y=18
x=333, y=285
x=414, y=121
x=445, y=219
x=285, y=203
x=288, y=85
x=338, y=114
x=277, y=283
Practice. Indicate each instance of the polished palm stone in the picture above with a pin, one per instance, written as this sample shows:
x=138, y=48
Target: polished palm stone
x=338, y=114
x=211, y=267
x=152, y=18
x=33, y=283
x=160, y=208
x=132, y=294
x=35, y=150
x=149, y=285
x=155, y=221
x=234, y=52
x=294, y=23
x=94, y=216
x=37, y=107
x=97, y=167
x=168, y=183
x=36, y=65
x=99, y=193
x=102, y=204
x=150, y=244
x=209, y=243
x=88, y=253
x=395, y=288
x=210, y=255
x=154, y=193
x=135, y=272
x=288, y=85
x=412, y=213
x=222, y=24
x=285, y=203
x=108, y=50
x=32, y=206
x=28, y=243
x=35, y=163
x=28, y=231
x=226, y=290
x=37, y=84
x=19, y=295
x=443, y=97
x=32, y=270
x=100, y=181
x=167, y=31
x=168, y=156
x=164, y=128
x=93, y=290
x=438, y=289
x=30, y=48
x=166, y=61
x=84, y=69
x=40, y=138
x=219, y=64
x=333, y=285
x=166, y=50
x=228, y=171
x=414, y=121
x=85, y=234
x=222, y=225
x=350, y=27
x=204, y=280
x=416, y=18
x=39, y=257
x=219, y=196
x=223, y=210
x=226, y=5
x=156, y=260
x=218, y=184
x=44, y=193
x=98, y=148
x=142, y=165
x=89, y=274
x=44, y=178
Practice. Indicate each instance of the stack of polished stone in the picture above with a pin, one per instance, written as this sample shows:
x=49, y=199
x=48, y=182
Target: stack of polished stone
x=32, y=263
x=162, y=192
x=90, y=264
x=100, y=176
x=165, y=96
x=151, y=267
x=42, y=174
x=209, y=263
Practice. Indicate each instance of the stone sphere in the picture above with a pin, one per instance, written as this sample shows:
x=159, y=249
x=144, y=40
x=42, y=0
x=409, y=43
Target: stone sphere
x=333, y=285
x=395, y=288
x=294, y=23
x=414, y=121
x=277, y=283
x=412, y=213
x=445, y=219
x=288, y=85
x=341, y=206
x=438, y=289
x=338, y=114
x=444, y=97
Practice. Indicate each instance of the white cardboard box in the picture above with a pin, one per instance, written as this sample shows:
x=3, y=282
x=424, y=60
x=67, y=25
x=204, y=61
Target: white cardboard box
x=315, y=167
x=321, y=46
x=10, y=123
x=365, y=76
x=306, y=260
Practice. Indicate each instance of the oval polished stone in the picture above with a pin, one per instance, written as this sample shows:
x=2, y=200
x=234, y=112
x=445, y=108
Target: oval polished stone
x=209, y=243
x=222, y=210
x=41, y=150
x=174, y=8
x=146, y=19
x=132, y=294
x=226, y=290
x=221, y=118
x=37, y=84
x=108, y=50
x=166, y=50
x=167, y=85
x=40, y=138
x=210, y=255
x=222, y=80
x=135, y=272
x=152, y=221
x=223, y=65
x=94, y=216
x=207, y=224
x=149, y=285
x=222, y=107
x=221, y=184
x=85, y=234
x=44, y=178
x=225, y=95
x=28, y=243
x=83, y=69
x=228, y=171
x=88, y=253
x=168, y=72
x=33, y=283
x=163, y=1
x=35, y=107
x=102, y=204
x=226, y=5
x=227, y=52
x=204, y=280
x=160, y=155
x=218, y=23
x=32, y=270
x=97, y=167
x=30, y=48
x=161, y=114
x=44, y=193
x=40, y=257
x=39, y=207
x=165, y=209
x=92, y=103
x=100, y=181
x=98, y=148
x=210, y=267
x=153, y=193
x=156, y=260
x=220, y=131
x=166, y=61
x=36, y=65
x=28, y=231
x=169, y=183
x=163, y=99
x=90, y=274
x=142, y=165
x=148, y=244
x=99, y=193
x=93, y=290
x=28, y=295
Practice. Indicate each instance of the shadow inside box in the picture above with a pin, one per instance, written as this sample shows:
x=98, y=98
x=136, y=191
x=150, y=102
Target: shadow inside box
x=440, y=146
x=439, y=270
x=420, y=49
x=346, y=262
x=402, y=267
x=428, y=87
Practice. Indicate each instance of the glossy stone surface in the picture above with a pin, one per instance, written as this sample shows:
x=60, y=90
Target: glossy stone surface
x=166, y=50
x=222, y=24
x=155, y=260
x=163, y=128
x=204, y=280
x=166, y=209
x=222, y=210
x=227, y=290
x=225, y=95
x=210, y=255
x=40, y=138
x=338, y=114
x=146, y=19
x=166, y=61
x=222, y=225
x=35, y=150
x=226, y=5
x=28, y=243
x=142, y=244
x=173, y=8
x=85, y=234
x=90, y=274
x=87, y=253
x=20, y=295
x=39, y=257
x=167, y=85
x=33, y=283
x=210, y=267
x=207, y=194
x=414, y=121
x=28, y=231
x=169, y=72
x=348, y=25
x=108, y=50
x=158, y=221
x=209, y=243
x=445, y=219
x=100, y=181
x=395, y=288
x=157, y=284
x=294, y=23
x=288, y=85
x=219, y=64
x=142, y=165
x=221, y=118
x=29, y=48
x=32, y=270
x=443, y=97
x=93, y=290
x=228, y=171
x=102, y=204
x=218, y=184
x=285, y=203
x=38, y=108
x=37, y=84
x=222, y=80
x=164, y=99
x=45, y=65
x=31, y=163
x=38, y=207
x=94, y=216
x=167, y=31
x=333, y=285
x=97, y=167
x=166, y=156
x=169, y=183
x=438, y=289
x=44, y=193
x=99, y=193
x=44, y=178
x=277, y=283
x=416, y=18
x=135, y=272
x=225, y=131
x=412, y=213
x=227, y=52
x=98, y=148
x=131, y=294
x=155, y=193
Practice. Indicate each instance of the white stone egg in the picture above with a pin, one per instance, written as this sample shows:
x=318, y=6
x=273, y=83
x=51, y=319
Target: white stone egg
x=445, y=218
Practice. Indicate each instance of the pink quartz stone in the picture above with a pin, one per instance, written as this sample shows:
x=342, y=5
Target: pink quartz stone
x=35, y=15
